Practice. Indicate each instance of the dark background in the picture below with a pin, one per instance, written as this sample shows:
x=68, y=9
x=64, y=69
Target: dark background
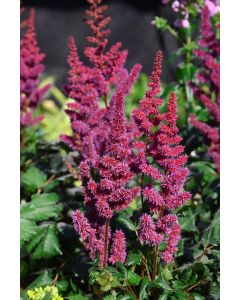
x=56, y=20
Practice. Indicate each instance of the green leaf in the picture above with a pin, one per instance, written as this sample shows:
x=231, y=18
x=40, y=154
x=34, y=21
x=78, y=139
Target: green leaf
x=164, y=296
x=33, y=179
x=133, y=259
x=48, y=296
x=212, y=234
x=163, y=284
x=197, y=297
x=143, y=289
x=187, y=221
x=42, y=280
x=45, y=243
x=189, y=71
x=133, y=278
x=127, y=223
x=62, y=285
x=42, y=207
x=28, y=228
x=24, y=268
x=179, y=285
x=181, y=295
x=215, y=291
x=167, y=274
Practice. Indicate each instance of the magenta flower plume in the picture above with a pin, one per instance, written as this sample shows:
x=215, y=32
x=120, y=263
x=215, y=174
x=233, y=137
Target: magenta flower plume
x=209, y=53
x=110, y=193
x=161, y=143
x=30, y=71
x=101, y=136
x=84, y=86
x=86, y=232
x=171, y=229
x=111, y=61
x=148, y=234
x=118, y=249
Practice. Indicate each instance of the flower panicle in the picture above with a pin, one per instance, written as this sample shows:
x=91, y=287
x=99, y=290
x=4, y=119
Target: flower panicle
x=109, y=62
x=118, y=249
x=208, y=52
x=160, y=142
x=31, y=69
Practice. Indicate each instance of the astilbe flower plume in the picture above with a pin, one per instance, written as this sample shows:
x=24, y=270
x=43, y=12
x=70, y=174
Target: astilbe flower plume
x=118, y=250
x=101, y=135
x=31, y=70
x=209, y=53
x=159, y=140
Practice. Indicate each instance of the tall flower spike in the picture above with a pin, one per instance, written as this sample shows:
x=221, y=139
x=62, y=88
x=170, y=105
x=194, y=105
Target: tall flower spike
x=209, y=53
x=109, y=62
x=101, y=136
x=160, y=142
x=30, y=71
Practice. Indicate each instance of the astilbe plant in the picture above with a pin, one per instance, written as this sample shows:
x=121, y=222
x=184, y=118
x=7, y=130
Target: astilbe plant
x=209, y=53
x=101, y=136
x=112, y=151
x=31, y=70
x=158, y=142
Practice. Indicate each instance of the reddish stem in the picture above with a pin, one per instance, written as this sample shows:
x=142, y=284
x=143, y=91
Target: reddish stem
x=155, y=259
x=106, y=243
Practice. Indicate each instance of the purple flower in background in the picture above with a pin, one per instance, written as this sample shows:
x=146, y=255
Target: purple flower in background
x=213, y=7
x=184, y=23
x=181, y=8
x=30, y=71
x=209, y=54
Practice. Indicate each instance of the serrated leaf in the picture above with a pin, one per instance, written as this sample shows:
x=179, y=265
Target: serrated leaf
x=33, y=179
x=28, y=228
x=42, y=207
x=133, y=278
x=45, y=243
x=42, y=280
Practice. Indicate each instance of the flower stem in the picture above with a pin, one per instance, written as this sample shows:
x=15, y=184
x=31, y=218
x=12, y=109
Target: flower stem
x=155, y=260
x=106, y=243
